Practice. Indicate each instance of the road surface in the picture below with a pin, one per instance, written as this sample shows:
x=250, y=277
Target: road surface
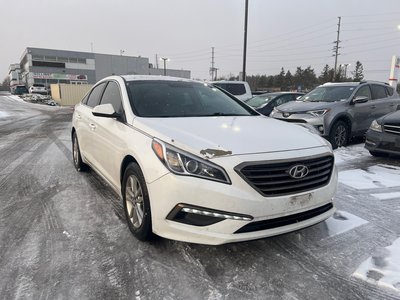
x=63, y=235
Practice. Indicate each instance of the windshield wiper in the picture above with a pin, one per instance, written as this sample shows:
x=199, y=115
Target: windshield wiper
x=226, y=114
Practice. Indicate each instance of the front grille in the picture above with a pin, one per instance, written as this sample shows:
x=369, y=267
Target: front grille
x=392, y=128
x=273, y=179
x=292, y=120
x=284, y=221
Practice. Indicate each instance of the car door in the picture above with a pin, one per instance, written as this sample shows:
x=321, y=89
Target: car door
x=108, y=142
x=381, y=101
x=362, y=112
x=86, y=128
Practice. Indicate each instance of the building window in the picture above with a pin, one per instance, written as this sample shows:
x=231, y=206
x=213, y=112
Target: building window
x=37, y=57
x=48, y=64
x=62, y=59
x=82, y=60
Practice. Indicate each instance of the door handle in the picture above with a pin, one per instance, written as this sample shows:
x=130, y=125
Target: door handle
x=92, y=126
x=373, y=106
x=78, y=116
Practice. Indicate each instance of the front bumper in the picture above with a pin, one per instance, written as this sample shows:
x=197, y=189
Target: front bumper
x=382, y=142
x=237, y=199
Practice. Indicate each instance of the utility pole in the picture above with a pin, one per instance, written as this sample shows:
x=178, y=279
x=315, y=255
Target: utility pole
x=245, y=40
x=212, y=69
x=165, y=59
x=336, y=49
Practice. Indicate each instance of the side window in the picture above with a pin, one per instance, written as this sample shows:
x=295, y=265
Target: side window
x=378, y=91
x=94, y=97
x=389, y=90
x=283, y=99
x=85, y=99
x=112, y=95
x=363, y=91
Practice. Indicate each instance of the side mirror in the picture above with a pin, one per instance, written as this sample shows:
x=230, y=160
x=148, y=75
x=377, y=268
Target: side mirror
x=360, y=99
x=105, y=111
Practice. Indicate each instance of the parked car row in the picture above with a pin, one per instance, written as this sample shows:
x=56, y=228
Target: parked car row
x=36, y=88
x=340, y=111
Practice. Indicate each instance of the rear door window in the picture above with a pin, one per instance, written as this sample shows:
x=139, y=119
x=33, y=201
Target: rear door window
x=389, y=90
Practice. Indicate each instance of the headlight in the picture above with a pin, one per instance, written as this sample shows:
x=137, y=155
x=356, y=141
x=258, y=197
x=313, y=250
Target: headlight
x=182, y=163
x=318, y=113
x=375, y=126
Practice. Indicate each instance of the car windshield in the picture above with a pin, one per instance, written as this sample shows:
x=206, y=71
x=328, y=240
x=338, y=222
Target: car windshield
x=260, y=100
x=163, y=99
x=328, y=94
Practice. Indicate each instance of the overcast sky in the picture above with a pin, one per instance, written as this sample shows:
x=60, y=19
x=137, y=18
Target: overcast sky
x=285, y=34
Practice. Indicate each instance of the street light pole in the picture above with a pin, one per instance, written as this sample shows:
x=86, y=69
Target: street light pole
x=165, y=59
x=245, y=41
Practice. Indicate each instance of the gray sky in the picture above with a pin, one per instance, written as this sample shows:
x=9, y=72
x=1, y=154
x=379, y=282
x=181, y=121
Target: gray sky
x=285, y=34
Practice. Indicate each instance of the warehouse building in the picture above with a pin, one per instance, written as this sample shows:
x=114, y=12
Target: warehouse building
x=48, y=66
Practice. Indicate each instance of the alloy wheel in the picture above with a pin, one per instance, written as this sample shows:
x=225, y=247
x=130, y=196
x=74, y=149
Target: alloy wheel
x=134, y=201
x=340, y=135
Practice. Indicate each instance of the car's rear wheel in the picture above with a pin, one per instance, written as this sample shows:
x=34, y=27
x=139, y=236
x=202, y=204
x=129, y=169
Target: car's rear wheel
x=339, y=135
x=136, y=202
x=80, y=166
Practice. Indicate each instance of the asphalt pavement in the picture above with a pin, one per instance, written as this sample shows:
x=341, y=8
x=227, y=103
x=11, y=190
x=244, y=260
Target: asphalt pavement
x=63, y=235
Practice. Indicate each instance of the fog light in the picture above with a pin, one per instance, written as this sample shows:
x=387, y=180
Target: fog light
x=200, y=216
x=321, y=128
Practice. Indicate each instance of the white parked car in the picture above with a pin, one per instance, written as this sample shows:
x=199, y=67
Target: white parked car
x=240, y=89
x=37, y=88
x=192, y=163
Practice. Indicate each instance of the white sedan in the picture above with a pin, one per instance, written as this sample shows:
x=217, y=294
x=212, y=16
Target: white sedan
x=192, y=163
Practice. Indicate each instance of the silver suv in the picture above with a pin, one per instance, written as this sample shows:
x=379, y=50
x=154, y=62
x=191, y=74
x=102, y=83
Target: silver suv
x=339, y=111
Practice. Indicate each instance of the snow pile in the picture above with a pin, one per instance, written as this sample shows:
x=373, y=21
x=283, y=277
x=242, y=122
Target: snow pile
x=380, y=176
x=383, y=268
x=350, y=153
x=386, y=196
x=343, y=221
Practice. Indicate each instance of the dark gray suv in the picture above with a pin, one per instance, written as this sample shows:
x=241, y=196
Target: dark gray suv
x=339, y=111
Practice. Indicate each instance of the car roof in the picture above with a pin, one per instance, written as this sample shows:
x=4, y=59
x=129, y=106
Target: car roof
x=228, y=81
x=280, y=93
x=341, y=83
x=152, y=77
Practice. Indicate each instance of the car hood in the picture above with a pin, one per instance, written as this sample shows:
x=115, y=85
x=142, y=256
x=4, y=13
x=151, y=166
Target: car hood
x=300, y=106
x=216, y=136
x=392, y=118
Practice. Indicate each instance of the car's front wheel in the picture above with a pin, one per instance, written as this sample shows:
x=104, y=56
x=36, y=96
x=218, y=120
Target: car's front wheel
x=80, y=166
x=339, y=135
x=136, y=202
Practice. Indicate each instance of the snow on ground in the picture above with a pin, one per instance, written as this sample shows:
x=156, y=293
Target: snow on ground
x=386, y=196
x=383, y=268
x=3, y=114
x=350, y=153
x=343, y=221
x=379, y=176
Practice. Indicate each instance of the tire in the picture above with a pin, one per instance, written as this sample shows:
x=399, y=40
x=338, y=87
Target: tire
x=378, y=154
x=80, y=166
x=339, y=135
x=136, y=203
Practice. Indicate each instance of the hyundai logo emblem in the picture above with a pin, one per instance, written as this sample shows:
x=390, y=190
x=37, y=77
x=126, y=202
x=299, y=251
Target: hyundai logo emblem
x=298, y=171
x=286, y=115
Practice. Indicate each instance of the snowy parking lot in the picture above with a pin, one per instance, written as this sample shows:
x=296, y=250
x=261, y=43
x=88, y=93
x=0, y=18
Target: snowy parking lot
x=63, y=234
